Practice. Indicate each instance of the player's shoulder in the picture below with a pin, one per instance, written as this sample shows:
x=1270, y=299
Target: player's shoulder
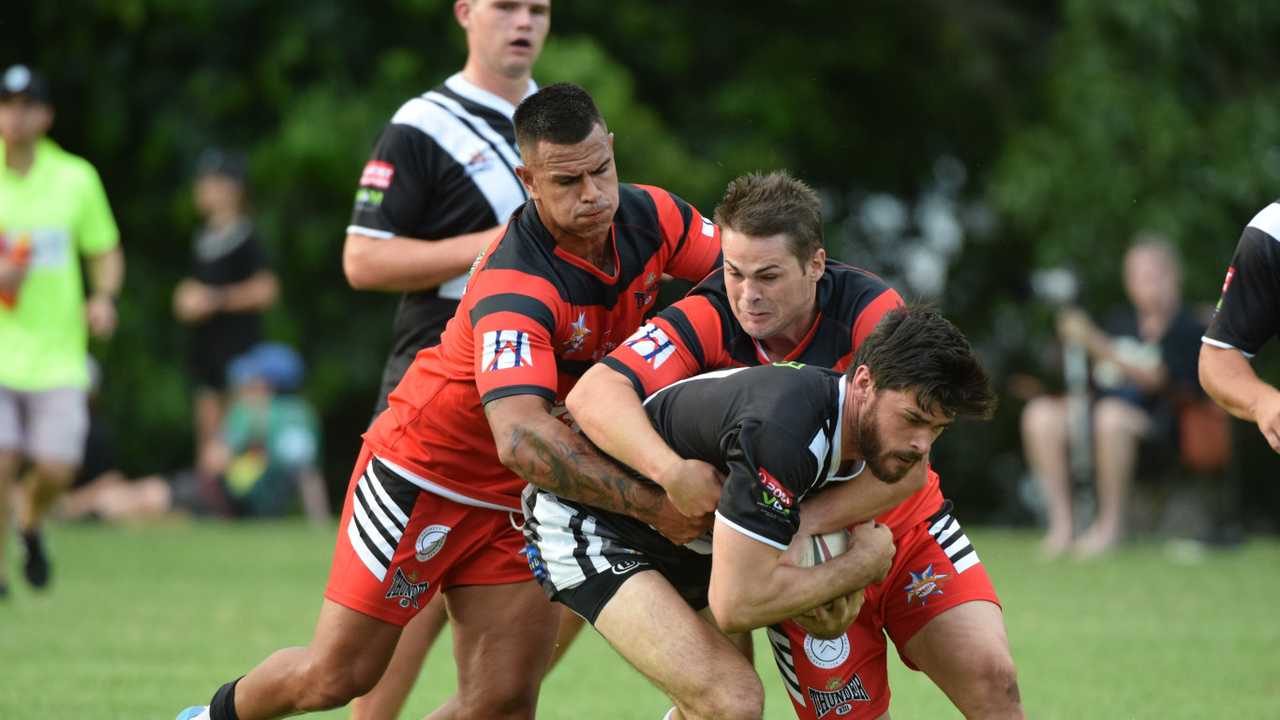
x=68, y=166
x=521, y=261
x=1263, y=231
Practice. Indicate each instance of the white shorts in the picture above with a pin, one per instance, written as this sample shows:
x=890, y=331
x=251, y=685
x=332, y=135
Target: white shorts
x=44, y=425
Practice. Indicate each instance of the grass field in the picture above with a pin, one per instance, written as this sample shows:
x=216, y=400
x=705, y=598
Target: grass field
x=144, y=621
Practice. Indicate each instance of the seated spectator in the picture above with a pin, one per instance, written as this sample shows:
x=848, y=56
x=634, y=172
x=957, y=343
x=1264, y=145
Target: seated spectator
x=263, y=457
x=229, y=288
x=1144, y=365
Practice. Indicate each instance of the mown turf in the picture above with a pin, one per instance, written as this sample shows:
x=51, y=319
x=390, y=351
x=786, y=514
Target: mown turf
x=143, y=621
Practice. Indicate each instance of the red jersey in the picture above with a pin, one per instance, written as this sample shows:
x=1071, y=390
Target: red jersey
x=532, y=320
x=700, y=333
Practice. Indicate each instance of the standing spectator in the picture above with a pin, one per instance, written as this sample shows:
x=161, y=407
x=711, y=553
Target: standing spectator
x=53, y=210
x=1143, y=366
x=1248, y=316
x=229, y=288
x=435, y=192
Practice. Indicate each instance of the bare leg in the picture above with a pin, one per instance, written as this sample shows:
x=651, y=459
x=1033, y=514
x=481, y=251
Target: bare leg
x=570, y=625
x=650, y=625
x=965, y=651
x=1120, y=427
x=209, y=406
x=1044, y=440
x=45, y=483
x=502, y=642
x=8, y=471
x=387, y=698
x=344, y=660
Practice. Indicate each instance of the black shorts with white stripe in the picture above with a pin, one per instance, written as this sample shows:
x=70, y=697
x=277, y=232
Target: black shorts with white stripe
x=945, y=529
x=581, y=555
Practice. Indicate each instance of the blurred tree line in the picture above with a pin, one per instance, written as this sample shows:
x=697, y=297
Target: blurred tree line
x=958, y=147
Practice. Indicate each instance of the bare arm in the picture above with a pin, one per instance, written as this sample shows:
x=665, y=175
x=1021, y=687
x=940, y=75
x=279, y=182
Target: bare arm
x=858, y=500
x=106, y=277
x=752, y=587
x=398, y=264
x=1232, y=383
x=256, y=293
x=546, y=453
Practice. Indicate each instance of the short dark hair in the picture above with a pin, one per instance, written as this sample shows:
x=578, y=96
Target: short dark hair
x=915, y=349
x=563, y=114
x=766, y=204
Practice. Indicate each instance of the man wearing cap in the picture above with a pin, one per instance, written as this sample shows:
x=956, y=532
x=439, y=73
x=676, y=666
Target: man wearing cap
x=53, y=210
x=229, y=288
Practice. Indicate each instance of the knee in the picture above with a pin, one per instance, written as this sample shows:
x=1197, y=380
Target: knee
x=328, y=685
x=743, y=700
x=994, y=689
x=9, y=462
x=55, y=475
x=1042, y=418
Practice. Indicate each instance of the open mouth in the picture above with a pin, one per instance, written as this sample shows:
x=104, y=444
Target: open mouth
x=522, y=43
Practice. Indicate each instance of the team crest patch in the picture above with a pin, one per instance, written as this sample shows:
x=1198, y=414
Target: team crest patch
x=430, y=541
x=404, y=588
x=652, y=344
x=837, y=698
x=579, y=334
x=377, y=174
x=826, y=654
x=925, y=584
x=708, y=228
x=505, y=349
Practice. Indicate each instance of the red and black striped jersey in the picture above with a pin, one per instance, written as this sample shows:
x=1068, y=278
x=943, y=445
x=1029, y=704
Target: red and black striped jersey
x=700, y=333
x=533, y=319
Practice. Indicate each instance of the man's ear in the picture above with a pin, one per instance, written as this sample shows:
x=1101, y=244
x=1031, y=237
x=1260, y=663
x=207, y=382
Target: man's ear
x=818, y=264
x=462, y=12
x=527, y=179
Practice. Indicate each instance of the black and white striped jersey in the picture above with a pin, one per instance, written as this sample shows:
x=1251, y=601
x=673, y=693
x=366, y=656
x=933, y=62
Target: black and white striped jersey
x=1248, y=312
x=444, y=166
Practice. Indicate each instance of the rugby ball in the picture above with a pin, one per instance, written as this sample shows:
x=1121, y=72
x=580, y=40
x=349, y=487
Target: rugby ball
x=817, y=549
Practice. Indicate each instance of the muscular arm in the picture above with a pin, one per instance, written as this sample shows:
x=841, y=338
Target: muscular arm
x=546, y=453
x=398, y=264
x=606, y=407
x=752, y=587
x=1229, y=379
x=858, y=500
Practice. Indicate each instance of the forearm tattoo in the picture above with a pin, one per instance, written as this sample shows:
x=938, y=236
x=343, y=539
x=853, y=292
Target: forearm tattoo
x=573, y=469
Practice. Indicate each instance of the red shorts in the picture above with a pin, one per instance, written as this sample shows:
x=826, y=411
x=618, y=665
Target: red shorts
x=935, y=569
x=399, y=544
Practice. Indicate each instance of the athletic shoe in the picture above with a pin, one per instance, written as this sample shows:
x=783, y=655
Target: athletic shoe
x=36, y=567
x=192, y=713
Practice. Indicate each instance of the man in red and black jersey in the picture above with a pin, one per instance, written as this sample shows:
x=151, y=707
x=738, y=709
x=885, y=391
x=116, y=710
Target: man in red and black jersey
x=1248, y=316
x=780, y=299
x=433, y=501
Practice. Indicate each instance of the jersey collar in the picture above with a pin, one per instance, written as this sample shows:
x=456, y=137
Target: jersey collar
x=477, y=94
x=837, y=438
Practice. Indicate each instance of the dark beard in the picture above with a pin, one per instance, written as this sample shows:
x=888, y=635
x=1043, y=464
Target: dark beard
x=872, y=447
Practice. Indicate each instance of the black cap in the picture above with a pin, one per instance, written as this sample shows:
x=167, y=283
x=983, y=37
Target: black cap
x=216, y=161
x=22, y=80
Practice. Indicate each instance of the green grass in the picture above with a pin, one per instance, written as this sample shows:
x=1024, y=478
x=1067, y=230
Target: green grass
x=143, y=621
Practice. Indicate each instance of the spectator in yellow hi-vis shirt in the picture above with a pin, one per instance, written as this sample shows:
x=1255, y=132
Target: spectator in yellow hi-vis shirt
x=52, y=211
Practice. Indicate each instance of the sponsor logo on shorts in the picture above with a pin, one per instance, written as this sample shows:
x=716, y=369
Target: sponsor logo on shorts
x=826, y=654
x=537, y=565
x=774, y=495
x=377, y=174
x=622, y=567
x=406, y=589
x=839, y=699
x=430, y=541
x=925, y=584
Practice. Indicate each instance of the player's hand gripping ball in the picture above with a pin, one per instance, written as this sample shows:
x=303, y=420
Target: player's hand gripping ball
x=829, y=621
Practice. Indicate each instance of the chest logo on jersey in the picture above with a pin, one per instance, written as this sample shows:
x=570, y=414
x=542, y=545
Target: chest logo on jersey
x=774, y=496
x=578, y=334
x=646, y=296
x=827, y=654
x=406, y=589
x=482, y=160
x=505, y=349
x=652, y=344
x=377, y=175
x=837, y=698
x=925, y=584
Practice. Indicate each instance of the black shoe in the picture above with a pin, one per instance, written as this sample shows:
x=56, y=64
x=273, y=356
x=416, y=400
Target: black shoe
x=36, y=567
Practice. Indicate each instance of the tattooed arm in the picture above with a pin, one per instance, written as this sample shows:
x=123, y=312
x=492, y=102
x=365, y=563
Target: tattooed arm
x=546, y=453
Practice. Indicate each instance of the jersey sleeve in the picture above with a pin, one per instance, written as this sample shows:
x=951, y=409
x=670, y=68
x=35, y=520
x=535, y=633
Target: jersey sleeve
x=873, y=313
x=513, y=355
x=1248, y=312
x=396, y=184
x=683, y=340
x=96, y=231
x=769, y=469
x=693, y=241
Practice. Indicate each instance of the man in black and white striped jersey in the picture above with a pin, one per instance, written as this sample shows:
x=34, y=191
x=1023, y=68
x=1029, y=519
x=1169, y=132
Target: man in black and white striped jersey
x=438, y=187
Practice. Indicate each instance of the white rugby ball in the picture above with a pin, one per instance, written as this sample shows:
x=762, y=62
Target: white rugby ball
x=816, y=549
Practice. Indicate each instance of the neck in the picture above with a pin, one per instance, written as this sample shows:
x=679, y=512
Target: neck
x=849, y=449
x=510, y=89
x=594, y=250
x=782, y=344
x=19, y=157
x=220, y=219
